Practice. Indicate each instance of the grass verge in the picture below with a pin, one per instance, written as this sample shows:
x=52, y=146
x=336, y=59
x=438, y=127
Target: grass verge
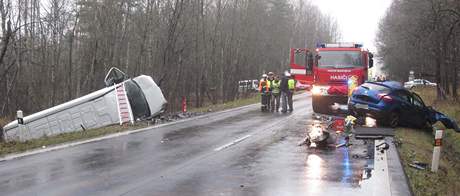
x=254, y=98
x=16, y=147
x=417, y=145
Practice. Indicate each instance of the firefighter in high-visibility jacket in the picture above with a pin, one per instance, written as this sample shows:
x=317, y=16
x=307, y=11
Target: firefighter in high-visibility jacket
x=287, y=88
x=264, y=89
x=271, y=77
x=276, y=94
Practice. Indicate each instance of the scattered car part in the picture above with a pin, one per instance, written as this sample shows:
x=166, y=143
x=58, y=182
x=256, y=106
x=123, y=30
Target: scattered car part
x=373, y=131
x=382, y=147
x=339, y=108
x=317, y=136
x=324, y=132
x=418, y=165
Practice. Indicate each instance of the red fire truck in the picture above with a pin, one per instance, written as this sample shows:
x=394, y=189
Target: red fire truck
x=328, y=70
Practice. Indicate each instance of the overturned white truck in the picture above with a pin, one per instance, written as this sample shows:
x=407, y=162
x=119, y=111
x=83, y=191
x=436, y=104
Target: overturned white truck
x=123, y=100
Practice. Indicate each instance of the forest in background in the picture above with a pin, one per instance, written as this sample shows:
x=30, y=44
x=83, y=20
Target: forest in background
x=424, y=36
x=52, y=51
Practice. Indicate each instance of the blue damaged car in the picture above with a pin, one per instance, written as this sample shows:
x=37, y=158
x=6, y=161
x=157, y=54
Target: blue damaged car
x=392, y=105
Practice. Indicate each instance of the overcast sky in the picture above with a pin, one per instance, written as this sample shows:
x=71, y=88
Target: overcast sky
x=358, y=19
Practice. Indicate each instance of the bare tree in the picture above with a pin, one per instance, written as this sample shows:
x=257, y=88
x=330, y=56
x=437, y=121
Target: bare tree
x=55, y=51
x=422, y=35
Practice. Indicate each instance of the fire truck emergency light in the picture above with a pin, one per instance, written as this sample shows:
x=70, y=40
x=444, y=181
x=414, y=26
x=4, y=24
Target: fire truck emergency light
x=339, y=45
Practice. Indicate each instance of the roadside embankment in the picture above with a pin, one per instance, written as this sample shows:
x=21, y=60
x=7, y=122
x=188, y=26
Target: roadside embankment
x=417, y=145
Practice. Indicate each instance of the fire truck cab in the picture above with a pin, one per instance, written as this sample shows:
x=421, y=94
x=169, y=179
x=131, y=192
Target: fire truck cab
x=330, y=69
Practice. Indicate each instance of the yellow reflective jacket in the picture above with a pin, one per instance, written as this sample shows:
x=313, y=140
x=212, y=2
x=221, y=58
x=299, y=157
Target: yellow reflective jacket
x=291, y=84
x=275, y=86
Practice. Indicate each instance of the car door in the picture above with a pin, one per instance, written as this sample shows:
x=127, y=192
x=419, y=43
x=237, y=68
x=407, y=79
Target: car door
x=404, y=106
x=419, y=116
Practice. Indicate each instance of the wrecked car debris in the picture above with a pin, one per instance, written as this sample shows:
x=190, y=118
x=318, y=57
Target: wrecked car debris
x=325, y=132
x=382, y=147
x=435, y=116
x=318, y=136
x=124, y=100
x=339, y=108
x=418, y=165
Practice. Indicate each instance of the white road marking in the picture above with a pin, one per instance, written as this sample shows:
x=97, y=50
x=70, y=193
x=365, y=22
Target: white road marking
x=381, y=178
x=232, y=143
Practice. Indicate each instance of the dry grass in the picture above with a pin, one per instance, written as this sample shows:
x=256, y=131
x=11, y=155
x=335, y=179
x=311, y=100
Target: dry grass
x=418, y=146
x=4, y=121
x=254, y=98
x=15, y=147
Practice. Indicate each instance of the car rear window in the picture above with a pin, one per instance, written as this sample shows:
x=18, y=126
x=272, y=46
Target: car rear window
x=376, y=87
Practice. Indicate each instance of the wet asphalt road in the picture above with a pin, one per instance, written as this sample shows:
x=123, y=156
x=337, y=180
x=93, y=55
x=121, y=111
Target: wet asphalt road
x=238, y=152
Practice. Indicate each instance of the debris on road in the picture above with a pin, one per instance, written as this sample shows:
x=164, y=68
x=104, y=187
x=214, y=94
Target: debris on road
x=357, y=156
x=382, y=147
x=346, y=144
x=176, y=116
x=318, y=136
x=418, y=165
x=325, y=131
x=349, y=123
x=339, y=108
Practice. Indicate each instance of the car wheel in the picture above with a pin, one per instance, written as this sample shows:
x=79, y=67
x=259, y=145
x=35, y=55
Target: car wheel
x=425, y=125
x=393, y=120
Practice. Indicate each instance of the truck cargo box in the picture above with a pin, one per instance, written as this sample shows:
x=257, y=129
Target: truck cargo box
x=98, y=109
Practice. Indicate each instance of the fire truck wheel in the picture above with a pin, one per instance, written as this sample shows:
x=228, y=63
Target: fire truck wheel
x=319, y=106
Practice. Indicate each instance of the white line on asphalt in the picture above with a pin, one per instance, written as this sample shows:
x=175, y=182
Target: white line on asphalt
x=381, y=179
x=232, y=143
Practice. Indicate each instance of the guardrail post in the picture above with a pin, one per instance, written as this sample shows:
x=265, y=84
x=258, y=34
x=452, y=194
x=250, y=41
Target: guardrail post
x=20, y=118
x=436, y=150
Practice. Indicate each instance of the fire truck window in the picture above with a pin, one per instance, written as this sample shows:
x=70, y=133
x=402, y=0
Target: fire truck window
x=300, y=58
x=340, y=59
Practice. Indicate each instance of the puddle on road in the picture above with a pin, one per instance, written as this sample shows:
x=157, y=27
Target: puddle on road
x=131, y=145
x=100, y=158
x=336, y=165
